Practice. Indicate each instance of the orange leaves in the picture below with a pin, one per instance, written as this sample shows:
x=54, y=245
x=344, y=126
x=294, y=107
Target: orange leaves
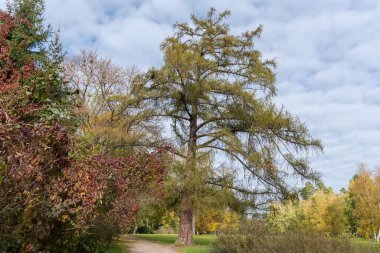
x=34, y=162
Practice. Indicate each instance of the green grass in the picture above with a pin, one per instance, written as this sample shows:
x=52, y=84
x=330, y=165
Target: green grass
x=365, y=243
x=116, y=248
x=202, y=243
x=195, y=249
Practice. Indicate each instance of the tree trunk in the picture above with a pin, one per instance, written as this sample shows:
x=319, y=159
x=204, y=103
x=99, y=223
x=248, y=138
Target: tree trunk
x=185, y=233
x=378, y=236
x=193, y=224
x=135, y=229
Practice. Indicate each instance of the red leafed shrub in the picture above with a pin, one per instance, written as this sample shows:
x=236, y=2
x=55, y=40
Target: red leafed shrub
x=11, y=74
x=103, y=184
x=45, y=193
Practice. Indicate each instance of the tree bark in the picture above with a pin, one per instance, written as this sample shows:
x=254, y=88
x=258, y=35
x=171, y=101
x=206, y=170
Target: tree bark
x=135, y=230
x=193, y=223
x=185, y=233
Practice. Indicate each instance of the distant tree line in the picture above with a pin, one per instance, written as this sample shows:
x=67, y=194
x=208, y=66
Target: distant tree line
x=355, y=211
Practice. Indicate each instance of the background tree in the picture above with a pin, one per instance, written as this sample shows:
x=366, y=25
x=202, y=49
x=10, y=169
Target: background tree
x=284, y=217
x=350, y=206
x=336, y=219
x=364, y=190
x=307, y=191
x=322, y=213
x=207, y=220
x=217, y=90
x=113, y=117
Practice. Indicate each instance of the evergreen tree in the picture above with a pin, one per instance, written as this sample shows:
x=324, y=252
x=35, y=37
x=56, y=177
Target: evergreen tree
x=307, y=191
x=31, y=41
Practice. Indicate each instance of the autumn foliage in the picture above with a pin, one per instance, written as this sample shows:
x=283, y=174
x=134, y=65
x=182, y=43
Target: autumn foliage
x=53, y=192
x=364, y=191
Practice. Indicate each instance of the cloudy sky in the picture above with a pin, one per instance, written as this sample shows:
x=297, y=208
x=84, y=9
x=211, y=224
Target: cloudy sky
x=328, y=53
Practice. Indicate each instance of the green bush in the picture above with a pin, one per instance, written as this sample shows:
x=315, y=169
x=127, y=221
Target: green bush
x=255, y=237
x=143, y=229
x=98, y=238
x=10, y=243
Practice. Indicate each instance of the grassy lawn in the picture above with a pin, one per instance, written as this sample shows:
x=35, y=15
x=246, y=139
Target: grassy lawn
x=365, y=243
x=116, y=248
x=202, y=243
x=195, y=249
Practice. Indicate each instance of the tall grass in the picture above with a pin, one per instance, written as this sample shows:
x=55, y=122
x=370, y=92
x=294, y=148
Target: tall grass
x=256, y=238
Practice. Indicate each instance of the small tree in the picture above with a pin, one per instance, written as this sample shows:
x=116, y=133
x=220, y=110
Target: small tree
x=217, y=90
x=106, y=102
x=364, y=190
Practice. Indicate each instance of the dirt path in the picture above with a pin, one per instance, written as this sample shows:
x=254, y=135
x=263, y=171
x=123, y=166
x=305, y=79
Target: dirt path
x=140, y=246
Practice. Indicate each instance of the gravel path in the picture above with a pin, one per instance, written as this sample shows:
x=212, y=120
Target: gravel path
x=140, y=246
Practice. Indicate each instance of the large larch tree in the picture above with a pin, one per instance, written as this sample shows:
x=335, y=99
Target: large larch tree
x=218, y=92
